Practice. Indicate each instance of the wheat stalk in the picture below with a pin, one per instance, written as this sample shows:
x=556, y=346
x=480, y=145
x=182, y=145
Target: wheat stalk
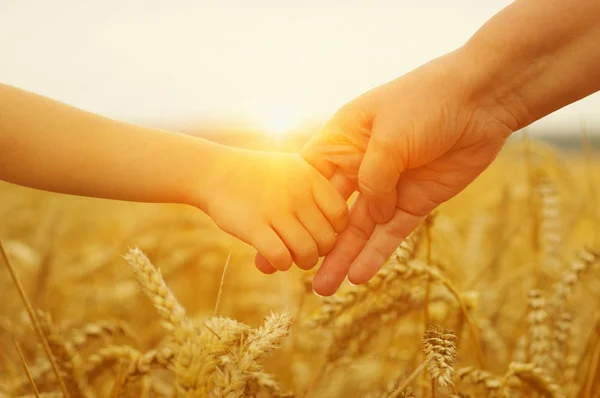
x=34, y=320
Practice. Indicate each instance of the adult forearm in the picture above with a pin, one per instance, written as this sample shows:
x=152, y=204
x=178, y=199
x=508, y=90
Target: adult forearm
x=49, y=145
x=534, y=57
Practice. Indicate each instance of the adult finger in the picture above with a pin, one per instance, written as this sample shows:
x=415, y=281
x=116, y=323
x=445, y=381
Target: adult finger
x=379, y=172
x=420, y=191
x=314, y=153
x=381, y=245
x=334, y=268
x=340, y=144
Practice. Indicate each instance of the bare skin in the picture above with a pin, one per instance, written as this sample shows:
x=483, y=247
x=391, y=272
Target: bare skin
x=413, y=143
x=406, y=146
x=277, y=203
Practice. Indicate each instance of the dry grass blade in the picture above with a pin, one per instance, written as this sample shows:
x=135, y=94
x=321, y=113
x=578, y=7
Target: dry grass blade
x=26, y=368
x=218, y=303
x=34, y=320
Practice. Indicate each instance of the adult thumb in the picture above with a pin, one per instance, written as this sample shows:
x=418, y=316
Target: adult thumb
x=379, y=173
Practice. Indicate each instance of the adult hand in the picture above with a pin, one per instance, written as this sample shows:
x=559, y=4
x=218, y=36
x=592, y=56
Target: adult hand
x=407, y=146
x=415, y=142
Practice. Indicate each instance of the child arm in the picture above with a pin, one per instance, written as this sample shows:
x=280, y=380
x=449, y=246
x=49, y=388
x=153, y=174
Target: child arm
x=49, y=145
x=275, y=202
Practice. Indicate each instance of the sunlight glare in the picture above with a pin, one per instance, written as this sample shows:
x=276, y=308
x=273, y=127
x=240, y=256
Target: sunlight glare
x=278, y=119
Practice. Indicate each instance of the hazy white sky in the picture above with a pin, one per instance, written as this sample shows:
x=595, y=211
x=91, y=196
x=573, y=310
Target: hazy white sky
x=162, y=62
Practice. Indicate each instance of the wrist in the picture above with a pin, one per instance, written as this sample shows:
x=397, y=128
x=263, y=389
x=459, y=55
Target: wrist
x=490, y=89
x=525, y=67
x=201, y=173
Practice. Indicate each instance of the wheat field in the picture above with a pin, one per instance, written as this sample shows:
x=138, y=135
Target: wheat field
x=495, y=295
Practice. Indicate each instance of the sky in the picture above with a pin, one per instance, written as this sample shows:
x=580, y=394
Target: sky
x=257, y=64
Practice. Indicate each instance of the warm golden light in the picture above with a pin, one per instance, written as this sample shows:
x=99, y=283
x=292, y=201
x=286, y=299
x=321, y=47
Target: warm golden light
x=278, y=119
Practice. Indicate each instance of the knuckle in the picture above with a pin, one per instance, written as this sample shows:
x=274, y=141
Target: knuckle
x=326, y=243
x=301, y=199
x=420, y=210
x=340, y=216
x=358, y=231
x=367, y=187
x=277, y=209
x=422, y=207
x=386, y=142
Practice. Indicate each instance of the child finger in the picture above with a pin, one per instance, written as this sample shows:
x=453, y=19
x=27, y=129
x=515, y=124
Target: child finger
x=268, y=243
x=331, y=203
x=263, y=264
x=311, y=217
x=300, y=243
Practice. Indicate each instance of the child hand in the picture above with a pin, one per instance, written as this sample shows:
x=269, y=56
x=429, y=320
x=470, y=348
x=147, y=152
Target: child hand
x=277, y=203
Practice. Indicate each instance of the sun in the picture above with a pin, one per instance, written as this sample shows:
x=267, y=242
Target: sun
x=278, y=119
x=280, y=122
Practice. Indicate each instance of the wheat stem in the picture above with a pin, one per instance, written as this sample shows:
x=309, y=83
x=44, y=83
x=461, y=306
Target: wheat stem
x=592, y=370
x=426, y=316
x=587, y=146
x=472, y=327
x=26, y=368
x=34, y=320
x=218, y=303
